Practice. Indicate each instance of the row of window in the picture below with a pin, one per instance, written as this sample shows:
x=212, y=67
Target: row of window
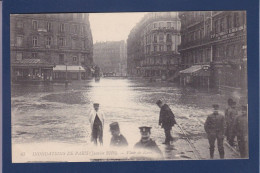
x=19, y=56
x=219, y=52
x=155, y=38
x=191, y=17
x=157, y=48
x=74, y=59
x=196, y=56
x=74, y=28
x=230, y=21
x=49, y=42
x=228, y=51
x=220, y=25
x=166, y=24
x=157, y=61
x=196, y=35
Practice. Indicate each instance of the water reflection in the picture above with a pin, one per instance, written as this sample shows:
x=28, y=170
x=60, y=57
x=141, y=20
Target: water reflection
x=54, y=113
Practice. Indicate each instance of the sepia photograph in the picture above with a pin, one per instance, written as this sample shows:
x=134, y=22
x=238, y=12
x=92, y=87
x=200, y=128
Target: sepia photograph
x=131, y=86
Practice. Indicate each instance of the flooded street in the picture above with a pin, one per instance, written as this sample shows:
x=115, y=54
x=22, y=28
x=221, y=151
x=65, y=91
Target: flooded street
x=55, y=114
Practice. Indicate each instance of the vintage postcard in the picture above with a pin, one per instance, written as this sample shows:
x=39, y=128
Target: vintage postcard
x=95, y=87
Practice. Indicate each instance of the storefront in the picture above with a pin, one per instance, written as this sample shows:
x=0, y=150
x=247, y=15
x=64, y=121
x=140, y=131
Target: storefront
x=197, y=76
x=68, y=72
x=31, y=70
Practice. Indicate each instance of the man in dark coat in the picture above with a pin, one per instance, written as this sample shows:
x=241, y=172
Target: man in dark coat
x=230, y=115
x=117, y=140
x=146, y=142
x=241, y=131
x=166, y=120
x=215, y=128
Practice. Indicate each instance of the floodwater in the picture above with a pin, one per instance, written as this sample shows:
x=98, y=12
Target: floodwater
x=56, y=114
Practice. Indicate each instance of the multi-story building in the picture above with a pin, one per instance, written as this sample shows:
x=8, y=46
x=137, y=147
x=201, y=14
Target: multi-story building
x=213, y=49
x=110, y=56
x=152, y=46
x=51, y=46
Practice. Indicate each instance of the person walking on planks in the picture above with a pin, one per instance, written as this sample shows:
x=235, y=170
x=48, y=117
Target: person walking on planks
x=166, y=121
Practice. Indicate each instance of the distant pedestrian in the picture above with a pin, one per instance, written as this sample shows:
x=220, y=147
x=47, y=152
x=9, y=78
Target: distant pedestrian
x=146, y=142
x=97, y=119
x=215, y=128
x=166, y=120
x=230, y=115
x=117, y=140
x=241, y=131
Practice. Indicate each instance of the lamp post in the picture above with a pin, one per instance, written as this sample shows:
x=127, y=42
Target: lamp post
x=79, y=74
x=219, y=74
x=66, y=81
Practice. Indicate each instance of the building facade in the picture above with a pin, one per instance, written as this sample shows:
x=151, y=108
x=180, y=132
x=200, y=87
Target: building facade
x=213, y=49
x=152, y=46
x=57, y=42
x=110, y=56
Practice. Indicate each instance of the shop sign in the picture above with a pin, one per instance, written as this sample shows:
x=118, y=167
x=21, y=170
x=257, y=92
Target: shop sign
x=230, y=33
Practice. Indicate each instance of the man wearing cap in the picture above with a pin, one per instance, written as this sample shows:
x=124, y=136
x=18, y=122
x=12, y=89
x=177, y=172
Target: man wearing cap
x=97, y=119
x=166, y=120
x=215, y=128
x=230, y=115
x=146, y=142
x=241, y=131
x=117, y=140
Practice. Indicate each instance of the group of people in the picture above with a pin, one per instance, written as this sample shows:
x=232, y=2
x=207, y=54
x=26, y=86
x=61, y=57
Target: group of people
x=233, y=124
x=166, y=121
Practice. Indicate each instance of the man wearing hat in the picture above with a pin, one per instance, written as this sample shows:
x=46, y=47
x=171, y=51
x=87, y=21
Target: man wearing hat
x=166, y=120
x=215, y=128
x=117, y=140
x=241, y=131
x=97, y=119
x=146, y=142
x=230, y=115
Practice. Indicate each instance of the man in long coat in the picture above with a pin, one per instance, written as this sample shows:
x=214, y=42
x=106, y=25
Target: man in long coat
x=166, y=120
x=215, y=129
x=97, y=120
x=241, y=131
x=230, y=116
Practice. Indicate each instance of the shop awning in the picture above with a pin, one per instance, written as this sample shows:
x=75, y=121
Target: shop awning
x=191, y=69
x=196, y=70
x=70, y=68
x=32, y=63
x=161, y=67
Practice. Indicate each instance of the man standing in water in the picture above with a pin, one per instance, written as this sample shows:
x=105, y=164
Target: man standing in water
x=96, y=120
x=215, y=128
x=166, y=120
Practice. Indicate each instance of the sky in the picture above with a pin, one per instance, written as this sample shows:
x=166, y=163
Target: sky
x=112, y=26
